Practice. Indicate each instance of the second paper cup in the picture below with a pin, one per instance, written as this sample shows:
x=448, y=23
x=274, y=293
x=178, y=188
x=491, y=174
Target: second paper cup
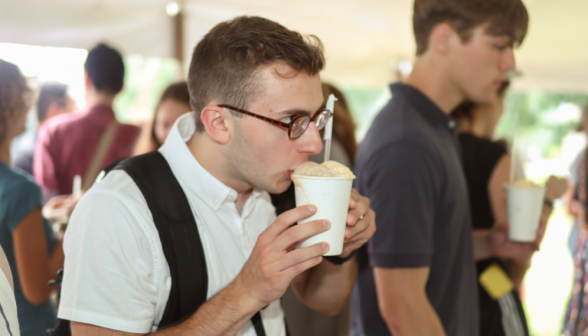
x=524, y=207
x=331, y=197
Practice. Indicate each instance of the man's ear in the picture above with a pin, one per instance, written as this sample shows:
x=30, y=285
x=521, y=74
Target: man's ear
x=218, y=123
x=53, y=110
x=87, y=81
x=440, y=39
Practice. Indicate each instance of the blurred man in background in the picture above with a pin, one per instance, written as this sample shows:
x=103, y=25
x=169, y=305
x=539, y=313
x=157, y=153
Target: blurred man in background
x=53, y=100
x=85, y=143
x=417, y=275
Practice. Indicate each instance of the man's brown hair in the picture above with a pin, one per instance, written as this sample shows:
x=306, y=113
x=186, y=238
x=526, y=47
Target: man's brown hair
x=226, y=62
x=504, y=17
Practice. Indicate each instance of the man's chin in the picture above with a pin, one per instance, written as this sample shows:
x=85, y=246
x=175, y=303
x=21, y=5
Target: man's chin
x=280, y=187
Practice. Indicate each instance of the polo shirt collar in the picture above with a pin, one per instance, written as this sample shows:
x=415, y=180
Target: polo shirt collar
x=424, y=106
x=187, y=169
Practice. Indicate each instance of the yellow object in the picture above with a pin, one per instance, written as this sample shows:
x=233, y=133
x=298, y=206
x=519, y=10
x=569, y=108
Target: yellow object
x=496, y=281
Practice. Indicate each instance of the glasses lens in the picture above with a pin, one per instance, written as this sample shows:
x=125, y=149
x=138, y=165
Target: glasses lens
x=300, y=125
x=322, y=119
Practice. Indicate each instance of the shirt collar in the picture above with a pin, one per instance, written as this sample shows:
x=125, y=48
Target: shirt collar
x=187, y=169
x=101, y=113
x=424, y=106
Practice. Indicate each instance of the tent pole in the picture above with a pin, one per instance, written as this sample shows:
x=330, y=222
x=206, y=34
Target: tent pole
x=179, y=41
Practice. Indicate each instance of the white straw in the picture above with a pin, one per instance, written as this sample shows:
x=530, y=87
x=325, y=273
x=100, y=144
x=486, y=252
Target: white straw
x=77, y=186
x=513, y=156
x=329, y=128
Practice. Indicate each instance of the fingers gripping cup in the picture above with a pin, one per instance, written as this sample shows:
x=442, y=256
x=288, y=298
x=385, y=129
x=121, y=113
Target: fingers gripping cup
x=328, y=187
x=524, y=201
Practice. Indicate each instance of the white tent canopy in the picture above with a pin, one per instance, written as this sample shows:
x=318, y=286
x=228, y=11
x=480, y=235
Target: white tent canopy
x=363, y=39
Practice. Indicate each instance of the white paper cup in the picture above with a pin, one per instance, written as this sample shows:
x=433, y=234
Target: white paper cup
x=524, y=207
x=331, y=197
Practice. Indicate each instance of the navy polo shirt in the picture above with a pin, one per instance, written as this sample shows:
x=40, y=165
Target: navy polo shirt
x=409, y=166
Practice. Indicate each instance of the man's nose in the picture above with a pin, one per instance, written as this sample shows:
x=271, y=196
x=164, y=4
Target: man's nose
x=312, y=143
x=508, y=60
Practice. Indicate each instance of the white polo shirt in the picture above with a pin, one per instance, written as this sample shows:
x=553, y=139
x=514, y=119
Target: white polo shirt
x=116, y=275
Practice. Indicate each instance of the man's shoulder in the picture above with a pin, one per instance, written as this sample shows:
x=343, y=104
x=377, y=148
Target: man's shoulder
x=130, y=131
x=118, y=184
x=398, y=122
x=59, y=126
x=397, y=128
x=63, y=121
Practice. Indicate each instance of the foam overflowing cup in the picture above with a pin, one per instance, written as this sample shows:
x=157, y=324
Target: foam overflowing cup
x=328, y=187
x=524, y=201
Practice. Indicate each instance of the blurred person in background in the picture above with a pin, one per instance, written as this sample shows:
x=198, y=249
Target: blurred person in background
x=53, y=100
x=301, y=320
x=486, y=166
x=417, y=274
x=32, y=250
x=85, y=143
x=570, y=198
x=576, y=202
x=174, y=102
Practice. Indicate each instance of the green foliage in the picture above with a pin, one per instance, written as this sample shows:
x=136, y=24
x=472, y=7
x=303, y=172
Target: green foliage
x=145, y=80
x=364, y=104
x=540, y=120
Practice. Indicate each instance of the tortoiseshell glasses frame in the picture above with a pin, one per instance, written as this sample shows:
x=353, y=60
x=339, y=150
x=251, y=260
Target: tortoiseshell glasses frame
x=297, y=126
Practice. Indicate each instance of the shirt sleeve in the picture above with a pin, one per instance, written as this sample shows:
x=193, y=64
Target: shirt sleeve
x=45, y=163
x=22, y=197
x=402, y=188
x=109, y=275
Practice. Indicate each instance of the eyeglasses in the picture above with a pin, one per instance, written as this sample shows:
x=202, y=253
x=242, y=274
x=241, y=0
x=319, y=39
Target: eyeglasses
x=297, y=126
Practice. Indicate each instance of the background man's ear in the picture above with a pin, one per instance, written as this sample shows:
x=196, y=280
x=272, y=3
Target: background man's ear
x=441, y=36
x=218, y=123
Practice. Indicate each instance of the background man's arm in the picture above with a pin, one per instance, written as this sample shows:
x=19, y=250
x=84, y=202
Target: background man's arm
x=326, y=288
x=403, y=302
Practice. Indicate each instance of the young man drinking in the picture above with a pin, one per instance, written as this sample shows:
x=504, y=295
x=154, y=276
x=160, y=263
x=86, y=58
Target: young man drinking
x=245, y=75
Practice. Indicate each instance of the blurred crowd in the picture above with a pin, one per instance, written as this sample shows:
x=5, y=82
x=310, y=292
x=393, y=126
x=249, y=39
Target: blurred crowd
x=440, y=262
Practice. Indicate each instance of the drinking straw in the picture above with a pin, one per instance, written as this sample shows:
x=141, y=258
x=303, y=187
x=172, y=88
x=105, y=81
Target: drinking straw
x=77, y=186
x=329, y=128
x=514, y=148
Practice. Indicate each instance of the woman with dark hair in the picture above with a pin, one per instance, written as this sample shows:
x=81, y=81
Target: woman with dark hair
x=33, y=252
x=486, y=166
x=174, y=102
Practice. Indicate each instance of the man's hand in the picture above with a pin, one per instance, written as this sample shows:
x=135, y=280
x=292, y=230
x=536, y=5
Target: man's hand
x=274, y=262
x=59, y=208
x=502, y=247
x=361, y=223
x=555, y=187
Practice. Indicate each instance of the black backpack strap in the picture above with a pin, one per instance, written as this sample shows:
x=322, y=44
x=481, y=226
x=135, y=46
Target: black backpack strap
x=178, y=233
x=258, y=324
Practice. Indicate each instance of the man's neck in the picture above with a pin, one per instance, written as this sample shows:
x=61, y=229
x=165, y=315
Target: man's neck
x=432, y=80
x=94, y=98
x=208, y=154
